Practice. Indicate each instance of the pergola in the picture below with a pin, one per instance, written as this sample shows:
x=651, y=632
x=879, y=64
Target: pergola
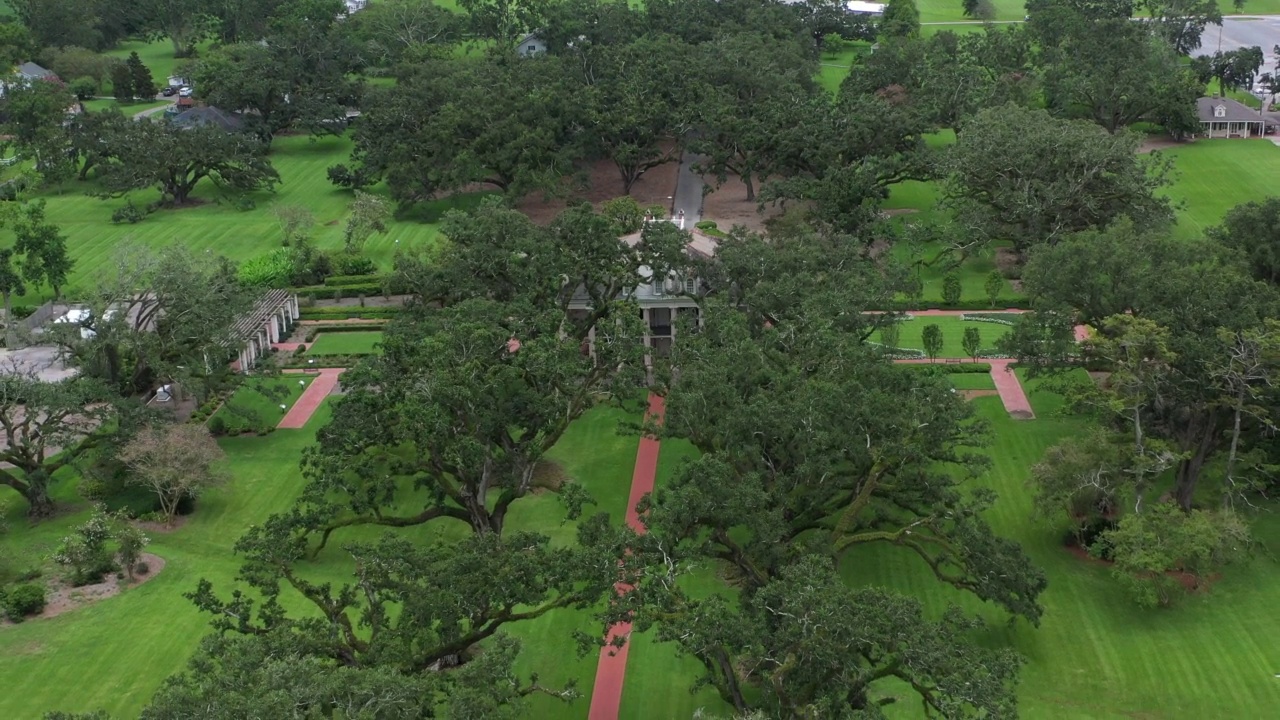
x=268, y=322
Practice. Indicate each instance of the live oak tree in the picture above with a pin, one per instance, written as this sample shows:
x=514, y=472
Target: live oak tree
x=504, y=21
x=48, y=426
x=901, y=19
x=173, y=461
x=184, y=22
x=468, y=122
x=408, y=611
x=1254, y=229
x=813, y=444
x=175, y=160
x=751, y=87
x=634, y=97
x=1233, y=69
x=485, y=374
x=34, y=113
x=38, y=256
x=1187, y=299
x=396, y=30
x=1024, y=176
x=296, y=77
x=160, y=317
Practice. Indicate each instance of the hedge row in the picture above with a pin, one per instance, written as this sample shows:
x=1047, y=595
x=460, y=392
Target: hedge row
x=1005, y=303
x=324, y=292
x=963, y=368
x=341, y=312
x=313, y=331
x=349, y=280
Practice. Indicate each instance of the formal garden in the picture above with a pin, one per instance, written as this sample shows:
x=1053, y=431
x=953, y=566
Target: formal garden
x=423, y=499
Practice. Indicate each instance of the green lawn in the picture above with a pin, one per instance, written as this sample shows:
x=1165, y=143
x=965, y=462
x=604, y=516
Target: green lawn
x=346, y=343
x=952, y=334
x=256, y=406
x=100, y=104
x=214, y=224
x=113, y=654
x=1096, y=655
x=1214, y=176
x=952, y=10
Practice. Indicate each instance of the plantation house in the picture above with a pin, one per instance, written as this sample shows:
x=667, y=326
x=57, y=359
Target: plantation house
x=662, y=300
x=1222, y=117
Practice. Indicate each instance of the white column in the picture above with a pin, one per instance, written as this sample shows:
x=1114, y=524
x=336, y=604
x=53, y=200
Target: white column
x=648, y=359
x=293, y=306
x=591, y=341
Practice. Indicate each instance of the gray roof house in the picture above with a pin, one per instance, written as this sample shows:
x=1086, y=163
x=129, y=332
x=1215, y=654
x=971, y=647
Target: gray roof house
x=532, y=44
x=206, y=116
x=32, y=71
x=1222, y=117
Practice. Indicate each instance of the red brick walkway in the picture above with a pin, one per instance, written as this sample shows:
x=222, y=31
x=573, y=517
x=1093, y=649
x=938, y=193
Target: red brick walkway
x=606, y=695
x=1007, y=384
x=319, y=389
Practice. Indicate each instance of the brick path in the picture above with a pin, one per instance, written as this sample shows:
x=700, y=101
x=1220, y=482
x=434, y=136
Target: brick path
x=319, y=389
x=1007, y=385
x=606, y=695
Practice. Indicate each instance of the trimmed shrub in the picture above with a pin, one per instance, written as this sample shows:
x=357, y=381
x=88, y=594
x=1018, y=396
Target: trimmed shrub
x=349, y=280
x=22, y=601
x=217, y=425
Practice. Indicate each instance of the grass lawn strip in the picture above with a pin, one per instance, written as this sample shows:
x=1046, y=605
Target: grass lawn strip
x=909, y=334
x=346, y=343
x=256, y=405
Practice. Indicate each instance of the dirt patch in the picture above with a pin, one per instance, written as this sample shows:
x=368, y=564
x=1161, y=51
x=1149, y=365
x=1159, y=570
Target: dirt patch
x=603, y=183
x=160, y=527
x=1189, y=582
x=1157, y=142
x=895, y=212
x=1099, y=377
x=971, y=394
x=62, y=598
x=549, y=475
x=1021, y=415
x=728, y=206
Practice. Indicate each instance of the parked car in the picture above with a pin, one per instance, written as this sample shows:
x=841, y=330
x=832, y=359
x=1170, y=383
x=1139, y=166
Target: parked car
x=184, y=92
x=169, y=92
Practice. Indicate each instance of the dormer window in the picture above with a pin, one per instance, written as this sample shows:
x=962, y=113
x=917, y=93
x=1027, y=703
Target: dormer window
x=1220, y=111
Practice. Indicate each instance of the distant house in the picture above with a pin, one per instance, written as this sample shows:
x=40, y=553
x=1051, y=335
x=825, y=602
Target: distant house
x=209, y=116
x=32, y=71
x=531, y=44
x=1222, y=117
x=857, y=7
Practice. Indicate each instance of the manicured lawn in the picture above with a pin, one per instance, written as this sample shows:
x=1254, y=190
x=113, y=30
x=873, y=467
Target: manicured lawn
x=214, y=224
x=256, y=406
x=100, y=104
x=953, y=328
x=953, y=10
x=157, y=56
x=1214, y=176
x=113, y=654
x=1096, y=655
x=346, y=343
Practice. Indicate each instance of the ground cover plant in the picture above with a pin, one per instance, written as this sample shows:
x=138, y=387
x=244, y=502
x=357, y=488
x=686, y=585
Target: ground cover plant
x=259, y=405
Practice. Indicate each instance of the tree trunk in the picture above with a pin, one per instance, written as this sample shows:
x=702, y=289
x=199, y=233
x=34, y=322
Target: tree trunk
x=10, y=333
x=751, y=188
x=1231, y=455
x=40, y=505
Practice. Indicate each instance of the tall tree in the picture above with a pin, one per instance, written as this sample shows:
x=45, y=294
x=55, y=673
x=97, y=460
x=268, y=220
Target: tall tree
x=1025, y=176
x=122, y=83
x=34, y=115
x=901, y=19
x=47, y=426
x=486, y=374
x=504, y=21
x=175, y=160
x=1232, y=69
x=1253, y=228
x=144, y=86
x=752, y=88
x=184, y=22
x=161, y=317
x=770, y=389
x=38, y=256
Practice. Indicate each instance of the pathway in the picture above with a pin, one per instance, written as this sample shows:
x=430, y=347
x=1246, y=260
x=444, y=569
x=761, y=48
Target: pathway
x=688, y=195
x=606, y=694
x=319, y=389
x=1007, y=385
x=286, y=346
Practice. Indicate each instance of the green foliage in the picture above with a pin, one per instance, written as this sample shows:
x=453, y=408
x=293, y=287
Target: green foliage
x=142, y=85
x=272, y=270
x=85, y=551
x=951, y=289
x=972, y=342
x=22, y=601
x=218, y=425
x=1024, y=176
x=993, y=286
x=890, y=333
x=84, y=87
x=1150, y=548
x=626, y=213
x=901, y=19
x=1254, y=229
x=931, y=337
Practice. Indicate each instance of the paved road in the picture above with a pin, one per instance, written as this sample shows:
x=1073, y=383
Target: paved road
x=688, y=195
x=1242, y=32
